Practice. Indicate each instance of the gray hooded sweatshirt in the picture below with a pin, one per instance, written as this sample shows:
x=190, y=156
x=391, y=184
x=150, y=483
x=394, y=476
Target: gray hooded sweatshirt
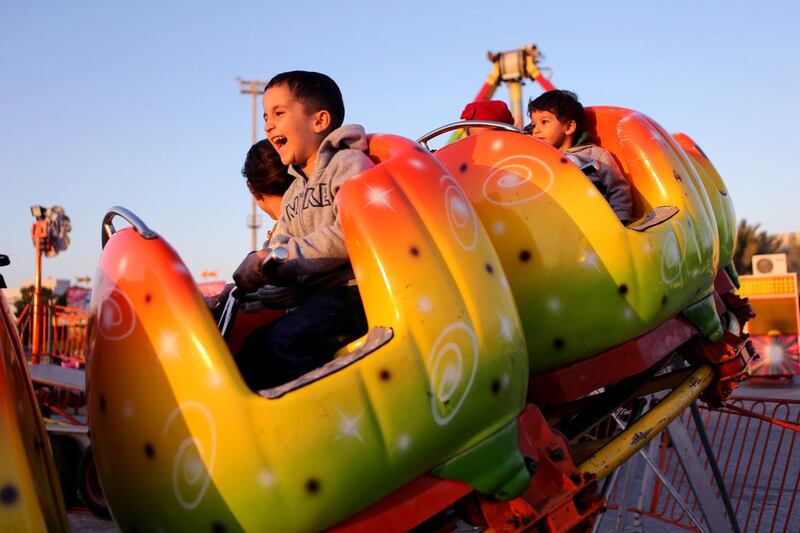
x=599, y=166
x=308, y=226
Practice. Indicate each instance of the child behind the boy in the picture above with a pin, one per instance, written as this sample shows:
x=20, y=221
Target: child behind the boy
x=557, y=118
x=493, y=110
x=267, y=179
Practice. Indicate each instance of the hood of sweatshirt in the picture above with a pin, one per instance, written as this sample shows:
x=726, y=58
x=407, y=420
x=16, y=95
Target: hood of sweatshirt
x=351, y=136
x=583, y=140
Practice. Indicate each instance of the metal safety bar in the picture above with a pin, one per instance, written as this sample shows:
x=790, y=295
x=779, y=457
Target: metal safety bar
x=137, y=223
x=465, y=124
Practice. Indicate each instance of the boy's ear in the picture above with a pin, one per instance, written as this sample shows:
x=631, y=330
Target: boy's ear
x=571, y=127
x=322, y=120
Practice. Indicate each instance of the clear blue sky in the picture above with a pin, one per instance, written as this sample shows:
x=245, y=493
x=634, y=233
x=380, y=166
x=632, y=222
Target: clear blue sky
x=134, y=103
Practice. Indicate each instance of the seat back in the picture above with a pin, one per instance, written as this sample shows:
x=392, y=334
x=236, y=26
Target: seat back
x=582, y=281
x=638, y=144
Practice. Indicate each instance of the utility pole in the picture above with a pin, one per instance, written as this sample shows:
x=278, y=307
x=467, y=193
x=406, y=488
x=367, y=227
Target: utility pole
x=255, y=88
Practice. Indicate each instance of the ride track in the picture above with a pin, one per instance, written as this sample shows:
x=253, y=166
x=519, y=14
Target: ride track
x=510, y=313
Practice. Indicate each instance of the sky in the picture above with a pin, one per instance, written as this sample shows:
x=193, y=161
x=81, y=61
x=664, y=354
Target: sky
x=136, y=103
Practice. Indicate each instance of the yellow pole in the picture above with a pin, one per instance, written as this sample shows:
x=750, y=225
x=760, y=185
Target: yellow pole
x=630, y=441
x=515, y=95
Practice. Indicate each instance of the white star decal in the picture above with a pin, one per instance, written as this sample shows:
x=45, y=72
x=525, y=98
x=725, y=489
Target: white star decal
x=378, y=196
x=168, y=344
x=266, y=478
x=424, y=304
x=348, y=426
x=403, y=442
x=506, y=329
x=554, y=304
x=590, y=260
x=215, y=379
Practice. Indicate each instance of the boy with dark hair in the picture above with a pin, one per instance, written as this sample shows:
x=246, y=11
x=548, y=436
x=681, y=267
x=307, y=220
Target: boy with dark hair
x=303, y=113
x=557, y=118
x=266, y=176
x=267, y=179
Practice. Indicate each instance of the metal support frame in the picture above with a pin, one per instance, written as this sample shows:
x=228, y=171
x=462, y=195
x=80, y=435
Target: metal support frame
x=712, y=462
x=639, y=433
x=712, y=511
x=607, y=489
x=512, y=67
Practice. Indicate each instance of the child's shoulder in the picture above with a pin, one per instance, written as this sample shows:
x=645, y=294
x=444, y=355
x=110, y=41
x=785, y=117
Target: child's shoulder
x=350, y=144
x=590, y=149
x=348, y=136
x=350, y=161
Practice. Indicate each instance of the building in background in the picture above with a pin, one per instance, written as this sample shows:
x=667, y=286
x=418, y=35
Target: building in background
x=58, y=286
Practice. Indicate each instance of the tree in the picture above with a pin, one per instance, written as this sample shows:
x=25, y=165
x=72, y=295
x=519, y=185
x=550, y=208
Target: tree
x=750, y=241
x=47, y=298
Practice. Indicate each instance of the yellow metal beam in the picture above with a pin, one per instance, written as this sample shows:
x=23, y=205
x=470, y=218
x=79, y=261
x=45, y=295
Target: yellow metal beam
x=493, y=80
x=515, y=95
x=630, y=441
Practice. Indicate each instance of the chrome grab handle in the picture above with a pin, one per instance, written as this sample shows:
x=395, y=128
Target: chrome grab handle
x=227, y=312
x=276, y=257
x=137, y=223
x=465, y=124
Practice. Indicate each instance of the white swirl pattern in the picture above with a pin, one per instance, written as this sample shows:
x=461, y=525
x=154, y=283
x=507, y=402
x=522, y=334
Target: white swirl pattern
x=671, y=260
x=116, y=318
x=517, y=179
x=195, y=457
x=453, y=363
x=460, y=215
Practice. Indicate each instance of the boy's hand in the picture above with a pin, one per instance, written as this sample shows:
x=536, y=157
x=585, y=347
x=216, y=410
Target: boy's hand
x=271, y=297
x=217, y=302
x=248, y=276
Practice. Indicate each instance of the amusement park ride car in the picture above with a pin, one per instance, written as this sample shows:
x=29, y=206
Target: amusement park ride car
x=510, y=315
x=30, y=496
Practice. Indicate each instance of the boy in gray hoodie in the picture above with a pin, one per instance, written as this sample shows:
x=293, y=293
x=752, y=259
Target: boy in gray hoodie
x=303, y=114
x=557, y=118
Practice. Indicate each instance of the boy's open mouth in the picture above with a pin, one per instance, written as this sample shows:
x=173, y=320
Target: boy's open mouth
x=279, y=141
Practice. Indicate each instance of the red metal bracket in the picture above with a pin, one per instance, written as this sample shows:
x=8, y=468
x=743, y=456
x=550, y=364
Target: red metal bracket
x=559, y=497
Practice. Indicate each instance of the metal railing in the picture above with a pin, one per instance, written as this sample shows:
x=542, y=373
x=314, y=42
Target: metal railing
x=755, y=446
x=63, y=333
